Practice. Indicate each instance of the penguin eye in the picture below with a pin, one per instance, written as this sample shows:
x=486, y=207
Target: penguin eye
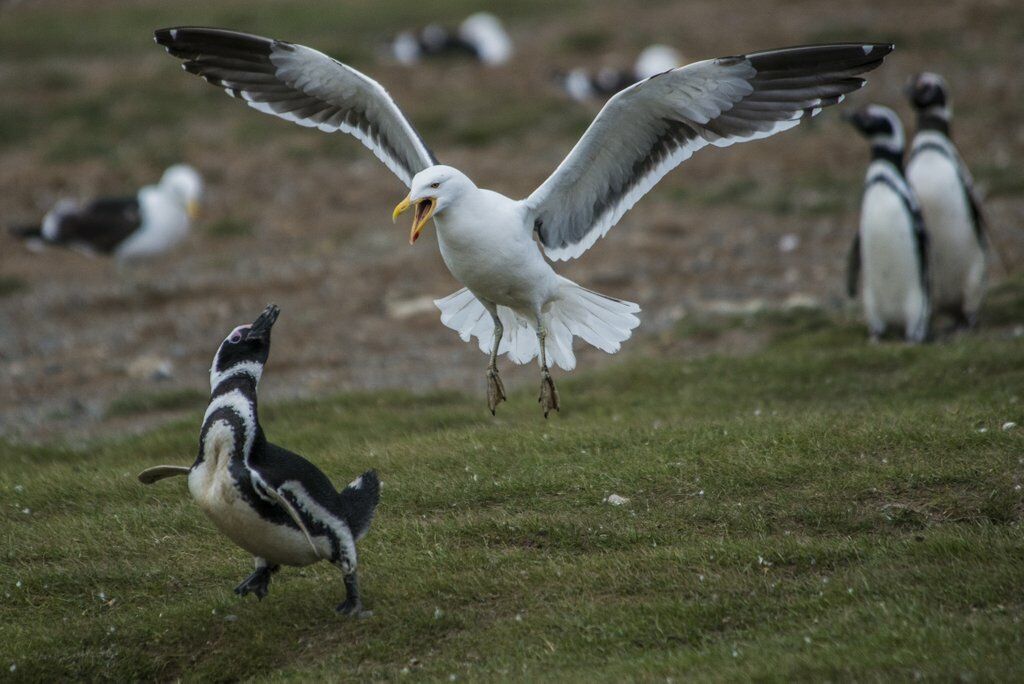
x=435, y=185
x=235, y=338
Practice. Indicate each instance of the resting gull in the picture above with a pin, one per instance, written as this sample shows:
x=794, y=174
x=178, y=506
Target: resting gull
x=513, y=302
x=152, y=221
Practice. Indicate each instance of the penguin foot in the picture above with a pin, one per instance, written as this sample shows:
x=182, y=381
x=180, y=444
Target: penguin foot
x=257, y=583
x=351, y=606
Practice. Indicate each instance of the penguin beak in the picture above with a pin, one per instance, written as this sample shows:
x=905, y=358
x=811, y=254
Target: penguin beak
x=260, y=328
x=424, y=210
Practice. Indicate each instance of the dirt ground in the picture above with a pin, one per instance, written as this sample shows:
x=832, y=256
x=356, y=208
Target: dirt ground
x=300, y=218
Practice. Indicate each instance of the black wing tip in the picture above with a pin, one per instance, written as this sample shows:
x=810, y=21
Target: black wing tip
x=187, y=38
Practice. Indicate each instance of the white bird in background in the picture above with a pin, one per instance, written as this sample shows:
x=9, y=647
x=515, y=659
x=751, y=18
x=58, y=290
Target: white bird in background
x=480, y=36
x=581, y=86
x=157, y=218
x=512, y=298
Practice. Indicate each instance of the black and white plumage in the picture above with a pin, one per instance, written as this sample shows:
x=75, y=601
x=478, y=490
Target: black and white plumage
x=480, y=36
x=890, y=249
x=950, y=203
x=271, y=502
x=582, y=86
x=486, y=238
x=157, y=218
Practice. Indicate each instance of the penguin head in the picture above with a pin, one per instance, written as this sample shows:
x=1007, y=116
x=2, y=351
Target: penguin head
x=245, y=350
x=928, y=91
x=878, y=124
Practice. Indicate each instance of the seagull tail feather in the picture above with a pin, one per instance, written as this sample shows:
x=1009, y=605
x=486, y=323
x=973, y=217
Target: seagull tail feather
x=603, y=322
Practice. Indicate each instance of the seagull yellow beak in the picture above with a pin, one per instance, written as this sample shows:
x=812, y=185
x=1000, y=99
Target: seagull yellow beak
x=424, y=210
x=192, y=209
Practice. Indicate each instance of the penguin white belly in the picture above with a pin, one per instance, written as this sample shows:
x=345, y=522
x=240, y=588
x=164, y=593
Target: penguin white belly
x=892, y=282
x=956, y=259
x=214, y=490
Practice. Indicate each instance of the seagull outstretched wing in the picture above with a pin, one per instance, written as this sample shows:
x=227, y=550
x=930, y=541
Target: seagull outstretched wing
x=648, y=129
x=302, y=85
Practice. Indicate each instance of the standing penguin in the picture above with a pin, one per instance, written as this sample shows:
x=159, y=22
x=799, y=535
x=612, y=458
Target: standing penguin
x=952, y=210
x=274, y=504
x=891, y=246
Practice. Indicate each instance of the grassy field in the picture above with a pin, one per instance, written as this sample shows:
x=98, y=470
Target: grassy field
x=822, y=509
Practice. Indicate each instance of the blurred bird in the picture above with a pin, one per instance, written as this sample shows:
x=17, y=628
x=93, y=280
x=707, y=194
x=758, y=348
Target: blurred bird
x=513, y=301
x=958, y=246
x=581, y=86
x=271, y=502
x=480, y=36
x=891, y=246
x=154, y=220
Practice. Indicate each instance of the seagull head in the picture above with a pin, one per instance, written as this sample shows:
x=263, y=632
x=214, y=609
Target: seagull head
x=878, y=124
x=245, y=350
x=185, y=184
x=928, y=91
x=431, y=192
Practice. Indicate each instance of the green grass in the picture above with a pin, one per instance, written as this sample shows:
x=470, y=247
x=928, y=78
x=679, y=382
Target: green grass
x=824, y=509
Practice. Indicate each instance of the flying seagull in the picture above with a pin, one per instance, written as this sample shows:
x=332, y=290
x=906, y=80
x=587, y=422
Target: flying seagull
x=152, y=221
x=512, y=296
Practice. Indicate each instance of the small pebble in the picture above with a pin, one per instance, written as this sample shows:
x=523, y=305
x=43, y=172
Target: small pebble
x=1009, y=425
x=615, y=500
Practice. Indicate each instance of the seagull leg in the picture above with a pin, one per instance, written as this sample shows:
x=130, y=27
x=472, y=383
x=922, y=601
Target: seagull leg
x=495, y=388
x=548, y=398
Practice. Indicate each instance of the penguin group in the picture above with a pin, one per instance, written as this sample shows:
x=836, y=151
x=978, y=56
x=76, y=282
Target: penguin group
x=920, y=249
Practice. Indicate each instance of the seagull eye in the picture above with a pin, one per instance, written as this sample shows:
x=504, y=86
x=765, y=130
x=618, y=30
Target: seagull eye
x=435, y=185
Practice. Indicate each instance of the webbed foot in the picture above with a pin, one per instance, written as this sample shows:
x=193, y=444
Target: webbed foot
x=548, y=393
x=495, y=389
x=257, y=583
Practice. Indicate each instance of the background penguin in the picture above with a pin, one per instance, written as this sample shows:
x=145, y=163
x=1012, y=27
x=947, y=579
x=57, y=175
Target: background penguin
x=274, y=504
x=154, y=220
x=891, y=245
x=952, y=210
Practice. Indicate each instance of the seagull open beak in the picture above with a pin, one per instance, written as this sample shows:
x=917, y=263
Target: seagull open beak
x=424, y=210
x=192, y=209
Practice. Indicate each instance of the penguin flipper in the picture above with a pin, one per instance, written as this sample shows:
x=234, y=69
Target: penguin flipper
x=151, y=475
x=279, y=496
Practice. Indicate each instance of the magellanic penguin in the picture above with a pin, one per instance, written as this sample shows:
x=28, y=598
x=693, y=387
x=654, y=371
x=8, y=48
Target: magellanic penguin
x=271, y=502
x=891, y=246
x=952, y=209
x=157, y=218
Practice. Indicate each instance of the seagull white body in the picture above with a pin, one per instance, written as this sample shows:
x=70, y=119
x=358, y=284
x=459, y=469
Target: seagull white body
x=165, y=223
x=894, y=287
x=958, y=259
x=486, y=239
